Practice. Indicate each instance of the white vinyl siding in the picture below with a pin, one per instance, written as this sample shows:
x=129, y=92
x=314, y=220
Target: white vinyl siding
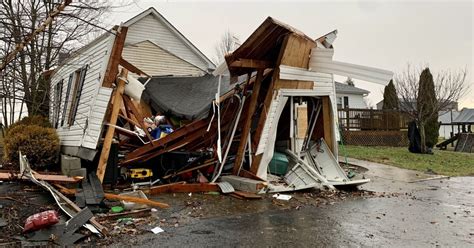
x=355, y=101
x=155, y=61
x=150, y=28
x=96, y=55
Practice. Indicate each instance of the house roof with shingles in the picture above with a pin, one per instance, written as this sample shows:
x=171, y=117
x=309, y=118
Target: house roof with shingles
x=348, y=89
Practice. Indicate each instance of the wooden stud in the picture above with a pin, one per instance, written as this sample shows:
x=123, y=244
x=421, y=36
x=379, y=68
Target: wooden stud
x=104, y=155
x=247, y=122
x=132, y=68
x=136, y=200
x=115, y=55
x=183, y=188
x=138, y=115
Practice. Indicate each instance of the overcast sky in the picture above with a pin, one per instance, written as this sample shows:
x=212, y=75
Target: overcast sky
x=383, y=34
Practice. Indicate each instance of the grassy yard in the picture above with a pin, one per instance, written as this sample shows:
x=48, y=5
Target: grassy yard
x=442, y=162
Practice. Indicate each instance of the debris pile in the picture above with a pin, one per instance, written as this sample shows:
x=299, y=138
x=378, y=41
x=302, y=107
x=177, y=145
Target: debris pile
x=269, y=125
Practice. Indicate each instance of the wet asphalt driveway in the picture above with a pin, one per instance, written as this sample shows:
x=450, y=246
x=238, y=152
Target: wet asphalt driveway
x=432, y=213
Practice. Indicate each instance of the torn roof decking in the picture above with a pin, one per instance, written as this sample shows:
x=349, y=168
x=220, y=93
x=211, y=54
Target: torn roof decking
x=264, y=44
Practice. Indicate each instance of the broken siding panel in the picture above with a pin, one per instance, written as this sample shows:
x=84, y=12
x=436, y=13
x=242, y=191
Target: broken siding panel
x=96, y=56
x=92, y=134
x=150, y=28
x=155, y=61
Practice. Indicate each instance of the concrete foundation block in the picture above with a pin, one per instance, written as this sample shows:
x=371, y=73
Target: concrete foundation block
x=245, y=184
x=69, y=163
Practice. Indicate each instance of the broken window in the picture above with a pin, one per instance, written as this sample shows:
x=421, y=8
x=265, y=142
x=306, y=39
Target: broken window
x=66, y=99
x=80, y=76
x=58, y=89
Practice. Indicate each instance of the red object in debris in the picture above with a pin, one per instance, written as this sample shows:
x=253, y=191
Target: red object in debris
x=41, y=220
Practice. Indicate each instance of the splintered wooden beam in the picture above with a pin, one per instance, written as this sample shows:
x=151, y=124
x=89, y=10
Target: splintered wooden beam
x=136, y=200
x=252, y=63
x=247, y=123
x=115, y=55
x=132, y=68
x=192, y=127
x=104, y=155
x=138, y=115
x=183, y=188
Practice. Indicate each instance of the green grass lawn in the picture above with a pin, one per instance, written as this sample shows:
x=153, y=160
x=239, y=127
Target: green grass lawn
x=442, y=162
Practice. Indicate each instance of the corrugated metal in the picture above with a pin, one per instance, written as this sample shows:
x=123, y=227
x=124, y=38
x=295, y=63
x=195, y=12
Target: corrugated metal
x=321, y=61
x=96, y=56
x=155, y=61
x=150, y=28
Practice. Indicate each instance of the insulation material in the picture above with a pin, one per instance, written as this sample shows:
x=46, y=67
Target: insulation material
x=134, y=88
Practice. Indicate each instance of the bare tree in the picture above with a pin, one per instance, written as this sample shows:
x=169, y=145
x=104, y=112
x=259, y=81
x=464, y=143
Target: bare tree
x=449, y=87
x=227, y=44
x=23, y=86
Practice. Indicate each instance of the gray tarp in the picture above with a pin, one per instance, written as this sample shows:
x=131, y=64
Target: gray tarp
x=186, y=97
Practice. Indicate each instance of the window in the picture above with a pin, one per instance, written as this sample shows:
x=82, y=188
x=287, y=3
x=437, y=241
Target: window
x=342, y=102
x=66, y=99
x=58, y=89
x=346, y=102
x=80, y=76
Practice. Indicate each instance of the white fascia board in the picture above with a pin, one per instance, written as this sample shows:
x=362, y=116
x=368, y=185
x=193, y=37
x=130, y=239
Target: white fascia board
x=296, y=73
x=369, y=74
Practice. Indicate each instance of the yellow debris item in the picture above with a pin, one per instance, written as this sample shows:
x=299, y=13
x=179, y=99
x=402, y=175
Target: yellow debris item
x=140, y=173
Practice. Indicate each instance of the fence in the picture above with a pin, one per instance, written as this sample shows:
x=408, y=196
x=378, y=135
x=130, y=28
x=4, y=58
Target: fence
x=373, y=127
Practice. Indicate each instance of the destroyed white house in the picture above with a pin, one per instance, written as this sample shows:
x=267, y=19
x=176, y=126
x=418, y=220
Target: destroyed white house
x=276, y=93
x=80, y=88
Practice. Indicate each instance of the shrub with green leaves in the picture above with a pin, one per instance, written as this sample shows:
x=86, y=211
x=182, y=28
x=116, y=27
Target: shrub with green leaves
x=39, y=144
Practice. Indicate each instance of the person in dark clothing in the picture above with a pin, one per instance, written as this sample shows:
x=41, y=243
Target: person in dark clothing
x=414, y=138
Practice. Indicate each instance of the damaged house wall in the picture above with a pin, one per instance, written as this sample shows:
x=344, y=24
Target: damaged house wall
x=79, y=130
x=167, y=52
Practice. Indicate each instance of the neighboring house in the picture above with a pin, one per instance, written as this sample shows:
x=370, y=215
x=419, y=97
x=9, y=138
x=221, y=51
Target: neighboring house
x=81, y=86
x=348, y=96
x=446, y=119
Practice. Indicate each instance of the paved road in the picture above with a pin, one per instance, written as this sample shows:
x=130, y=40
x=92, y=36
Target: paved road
x=430, y=213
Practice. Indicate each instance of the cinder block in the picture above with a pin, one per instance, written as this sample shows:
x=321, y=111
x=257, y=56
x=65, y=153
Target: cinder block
x=245, y=184
x=82, y=172
x=69, y=163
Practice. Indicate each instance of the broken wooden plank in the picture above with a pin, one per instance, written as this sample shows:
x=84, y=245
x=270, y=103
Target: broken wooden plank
x=104, y=155
x=110, y=196
x=138, y=115
x=252, y=63
x=179, y=133
x=183, y=188
x=45, y=177
x=136, y=200
x=327, y=122
x=247, y=123
x=132, y=68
